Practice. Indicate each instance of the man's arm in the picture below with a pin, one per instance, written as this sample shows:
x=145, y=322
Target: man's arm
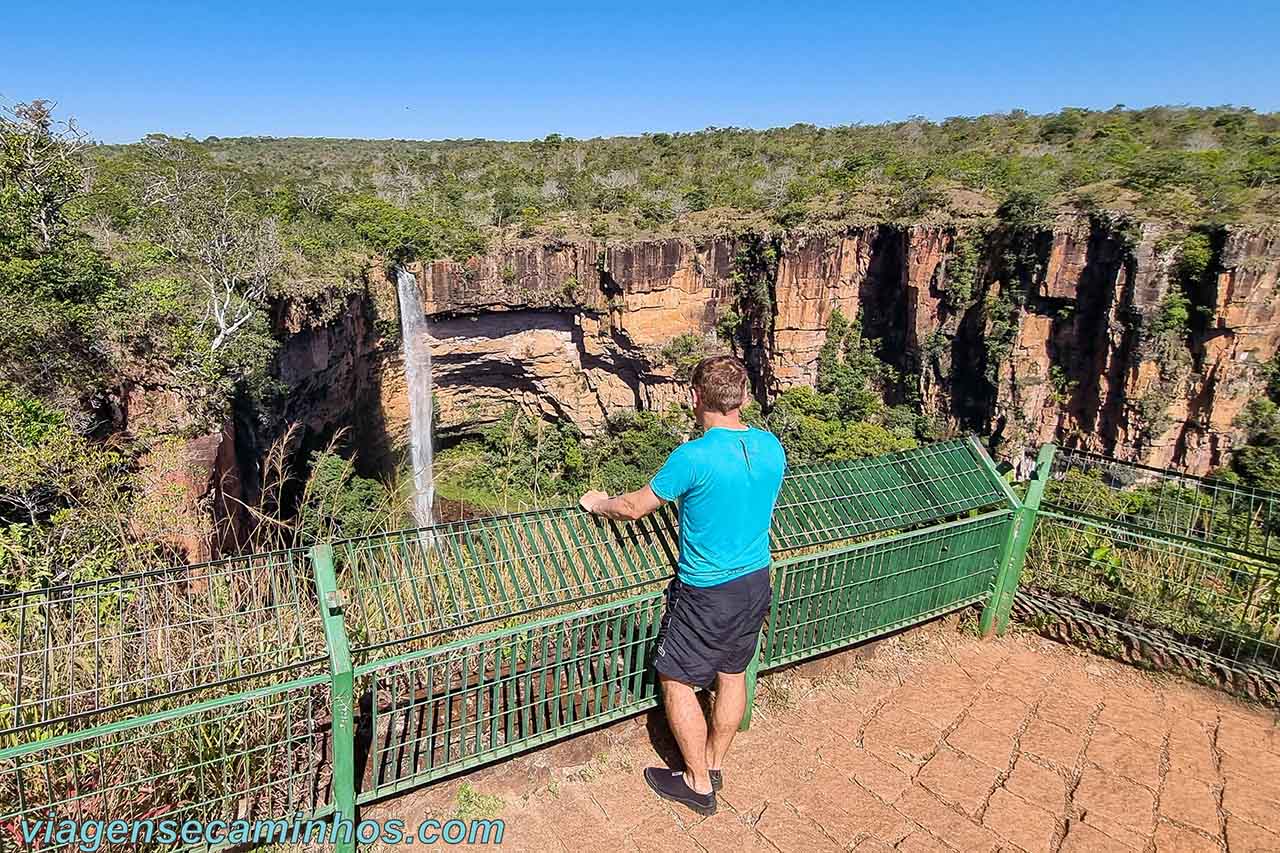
x=626, y=507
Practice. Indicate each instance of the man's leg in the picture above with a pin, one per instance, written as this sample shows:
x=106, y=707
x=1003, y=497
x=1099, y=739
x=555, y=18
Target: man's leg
x=731, y=703
x=684, y=715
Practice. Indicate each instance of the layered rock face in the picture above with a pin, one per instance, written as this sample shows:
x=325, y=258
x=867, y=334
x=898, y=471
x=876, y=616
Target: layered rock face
x=577, y=331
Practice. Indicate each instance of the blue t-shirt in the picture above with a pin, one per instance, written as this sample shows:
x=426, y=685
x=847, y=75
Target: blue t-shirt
x=727, y=482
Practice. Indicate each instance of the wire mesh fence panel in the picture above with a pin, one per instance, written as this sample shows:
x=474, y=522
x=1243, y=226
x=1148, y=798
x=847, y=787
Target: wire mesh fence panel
x=255, y=756
x=424, y=583
x=488, y=697
x=1197, y=598
x=1165, y=501
x=826, y=601
x=827, y=502
x=191, y=631
x=414, y=585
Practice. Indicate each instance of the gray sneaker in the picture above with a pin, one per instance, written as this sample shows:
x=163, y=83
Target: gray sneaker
x=717, y=780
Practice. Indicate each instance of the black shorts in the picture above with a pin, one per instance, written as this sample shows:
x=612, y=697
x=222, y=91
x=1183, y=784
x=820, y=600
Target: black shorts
x=711, y=629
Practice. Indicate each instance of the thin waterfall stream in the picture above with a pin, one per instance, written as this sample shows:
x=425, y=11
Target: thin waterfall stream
x=417, y=371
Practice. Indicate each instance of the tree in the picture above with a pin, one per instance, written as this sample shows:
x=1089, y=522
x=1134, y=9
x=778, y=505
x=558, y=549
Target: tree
x=50, y=273
x=203, y=219
x=41, y=169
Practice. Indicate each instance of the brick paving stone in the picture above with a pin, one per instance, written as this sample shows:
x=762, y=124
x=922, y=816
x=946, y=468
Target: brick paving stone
x=1040, y=785
x=626, y=801
x=840, y=752
x=727, y=830
x=1246, y=837
x=1001, y=711
x=879, y=777
x=1194, y=704
x=958, y=779
x=1024, y=824
x=972, y=654
x=1117, y=799
x=941, y=821
x=1243, y=731
x=1129, y=687
x=1052, y=742
x=1176, y=839
x=921, y=842
x=940, y=702
x=830, y=816
x=1190, y=801
x=864, y=814
x=790, y=832
x=1122, y=832
x=984, y=743
x=1066, y=708
x=872, y=845
x=1254, y=772
x=660, y=834
x=763, y=774
x=1191, y=751
x=1027, y=686
x=525, y=829
x=1082, y=838
x=901, y=738
x=1124, y=755
x=1247, y=798
x=1142, y=724
x=580, y=823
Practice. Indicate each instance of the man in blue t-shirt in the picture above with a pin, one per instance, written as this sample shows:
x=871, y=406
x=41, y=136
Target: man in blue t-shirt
x=726, y=482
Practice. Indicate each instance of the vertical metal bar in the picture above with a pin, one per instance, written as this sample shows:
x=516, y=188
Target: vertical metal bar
x=753, y=669
x=342, y=690
x=995, y=616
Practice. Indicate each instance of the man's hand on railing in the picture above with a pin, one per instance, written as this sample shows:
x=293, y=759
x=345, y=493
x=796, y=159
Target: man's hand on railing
x=626, y=507
x=593, y=499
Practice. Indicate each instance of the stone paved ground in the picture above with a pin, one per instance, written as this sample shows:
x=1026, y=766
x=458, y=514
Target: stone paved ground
x=939, y=742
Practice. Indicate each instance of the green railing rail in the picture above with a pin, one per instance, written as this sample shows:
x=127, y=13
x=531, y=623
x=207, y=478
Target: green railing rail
x=308, y=683
x=1186, y=566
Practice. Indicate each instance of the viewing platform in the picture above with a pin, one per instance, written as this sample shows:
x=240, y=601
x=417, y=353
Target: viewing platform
x=343, y=679
x=940, y=741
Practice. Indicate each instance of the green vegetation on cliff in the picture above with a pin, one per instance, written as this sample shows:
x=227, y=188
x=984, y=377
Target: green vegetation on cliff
x=1166, y=162
x=523, y=461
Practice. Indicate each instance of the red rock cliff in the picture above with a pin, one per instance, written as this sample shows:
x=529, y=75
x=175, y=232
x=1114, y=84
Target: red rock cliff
x=576, y=330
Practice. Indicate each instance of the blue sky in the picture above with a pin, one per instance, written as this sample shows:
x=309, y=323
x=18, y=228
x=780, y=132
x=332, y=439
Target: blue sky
x=517, y=71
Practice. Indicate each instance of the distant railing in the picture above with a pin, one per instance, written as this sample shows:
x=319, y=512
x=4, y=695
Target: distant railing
x=311, y=682
x=1185, y=567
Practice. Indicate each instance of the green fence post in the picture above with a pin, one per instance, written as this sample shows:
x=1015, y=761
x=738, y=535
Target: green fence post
x=342, y=693
x=753, y=670
x=995, y=616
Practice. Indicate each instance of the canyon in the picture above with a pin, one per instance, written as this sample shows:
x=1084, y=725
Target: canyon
x=577, y=330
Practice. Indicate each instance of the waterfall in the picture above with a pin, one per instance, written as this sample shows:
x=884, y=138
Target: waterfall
x=417, y=372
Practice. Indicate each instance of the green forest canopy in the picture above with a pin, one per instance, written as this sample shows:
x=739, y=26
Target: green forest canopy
x=1186, y=163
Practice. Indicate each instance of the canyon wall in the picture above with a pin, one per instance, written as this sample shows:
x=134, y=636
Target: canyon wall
x=578, y=330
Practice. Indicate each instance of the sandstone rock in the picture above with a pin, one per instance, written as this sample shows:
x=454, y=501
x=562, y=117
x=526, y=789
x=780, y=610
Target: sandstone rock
x=576, y=330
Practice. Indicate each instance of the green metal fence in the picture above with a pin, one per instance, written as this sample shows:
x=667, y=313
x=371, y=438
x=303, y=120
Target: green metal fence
x=197, y=692
x=310, y=682
x=1185, y=566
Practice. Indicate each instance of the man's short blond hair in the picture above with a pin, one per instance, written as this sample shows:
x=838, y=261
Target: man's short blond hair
x=721, y=383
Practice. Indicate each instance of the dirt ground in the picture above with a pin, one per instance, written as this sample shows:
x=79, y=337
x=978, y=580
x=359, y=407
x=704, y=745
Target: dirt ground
x=938, y=741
